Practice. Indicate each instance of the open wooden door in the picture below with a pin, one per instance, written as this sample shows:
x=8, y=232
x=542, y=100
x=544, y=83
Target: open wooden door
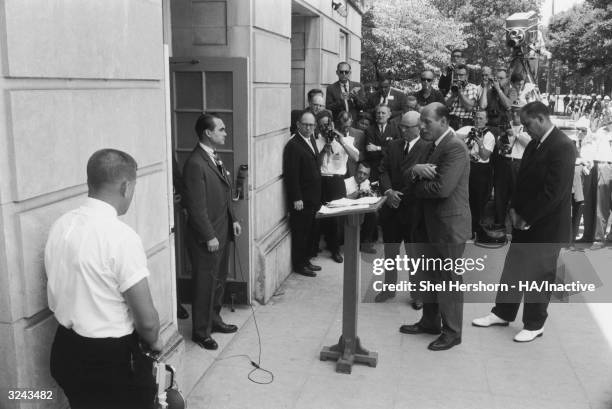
x=219, y=85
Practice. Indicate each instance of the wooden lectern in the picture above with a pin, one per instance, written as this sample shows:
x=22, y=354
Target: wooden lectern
x=348, y=350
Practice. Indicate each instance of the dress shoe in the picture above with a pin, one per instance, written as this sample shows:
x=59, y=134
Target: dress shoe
x=367, y=248
x=418, y=329
x=305, y=271
x=526, y=335
x=444, y=342
x=337, y=257
x=313, y=267
x=224, y=328
x=205, y=342
x=416, y=304
x=181, y=312
x=597, y=245
x=488, y=320
x=384, y=296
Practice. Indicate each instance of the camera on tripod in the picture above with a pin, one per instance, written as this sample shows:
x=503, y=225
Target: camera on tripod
x=522, y=29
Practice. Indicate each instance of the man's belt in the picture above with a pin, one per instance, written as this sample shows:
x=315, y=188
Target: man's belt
x=333, y=176
x=511, y=158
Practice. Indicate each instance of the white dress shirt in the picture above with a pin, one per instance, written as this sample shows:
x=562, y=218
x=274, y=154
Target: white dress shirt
x=335, y=163
x=91, y=258
x=352, y=186
x=603, y=149
x=519, y=141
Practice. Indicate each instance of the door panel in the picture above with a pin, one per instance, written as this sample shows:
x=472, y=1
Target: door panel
x=215, y=85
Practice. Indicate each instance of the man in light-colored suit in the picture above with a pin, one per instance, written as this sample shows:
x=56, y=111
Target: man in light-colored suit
x=210, y=227
x=442, y=185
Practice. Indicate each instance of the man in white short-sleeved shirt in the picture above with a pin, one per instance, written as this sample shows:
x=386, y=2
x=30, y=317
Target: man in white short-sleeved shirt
x=98, y=291
x=480, y=142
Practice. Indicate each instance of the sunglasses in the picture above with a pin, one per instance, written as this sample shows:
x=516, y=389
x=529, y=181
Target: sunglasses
x=344, y=72
x=427, y=79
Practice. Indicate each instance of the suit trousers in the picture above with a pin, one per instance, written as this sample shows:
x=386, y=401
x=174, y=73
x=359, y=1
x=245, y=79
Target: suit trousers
x=480, y=191
x=102, y=373
x=604, y=199
x=209, y=271
x=589, y=184
x=443, y=309
x=505, y=173
x=332, y=188
x=301, y=223
x=576, y=216
x=527, y=262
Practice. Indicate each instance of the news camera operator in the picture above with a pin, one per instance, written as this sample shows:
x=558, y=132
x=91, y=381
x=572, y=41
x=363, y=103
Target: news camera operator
x=446, y=78
x=335, y=150
x=495, y=101
x=510, y=147
x=461, y=99
x=480, y=143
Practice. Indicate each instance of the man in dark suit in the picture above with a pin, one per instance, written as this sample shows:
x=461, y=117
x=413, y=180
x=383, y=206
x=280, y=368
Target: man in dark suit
x=211, y=225
x=399, y=214
x=344, y=94
x=302, y=179
x=541, y=219
x=391, y=97
x=377, y=137
x=442, y=185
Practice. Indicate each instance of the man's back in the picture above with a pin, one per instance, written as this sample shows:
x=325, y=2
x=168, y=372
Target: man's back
x=94, y=257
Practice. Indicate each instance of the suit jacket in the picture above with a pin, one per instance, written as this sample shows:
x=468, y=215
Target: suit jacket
x=544, y=190
x=301, y=173
x=335, y=103
x=446, y=207
x=391, y=170
x=396, y=101
x=207, y=198
x=373, y=135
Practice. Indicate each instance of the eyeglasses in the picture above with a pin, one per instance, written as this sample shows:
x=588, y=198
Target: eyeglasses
x=308, y=125
x=344, y=72
x=427, y=79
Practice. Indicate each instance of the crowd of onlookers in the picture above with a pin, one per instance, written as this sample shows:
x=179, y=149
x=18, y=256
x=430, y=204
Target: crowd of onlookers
x=353, y=129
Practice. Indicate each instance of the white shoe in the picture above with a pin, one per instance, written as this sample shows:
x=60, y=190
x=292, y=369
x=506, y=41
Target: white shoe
x=527, y=336
x=489, y=320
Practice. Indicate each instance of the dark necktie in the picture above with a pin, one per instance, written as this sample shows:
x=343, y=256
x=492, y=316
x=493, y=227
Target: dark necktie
x=406, y=149
x=432, y=148
x=219, y=163
x=314, y=145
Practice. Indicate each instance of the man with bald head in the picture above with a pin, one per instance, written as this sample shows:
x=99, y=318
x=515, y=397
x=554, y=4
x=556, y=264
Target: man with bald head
x=441, y=183
x=398, y=215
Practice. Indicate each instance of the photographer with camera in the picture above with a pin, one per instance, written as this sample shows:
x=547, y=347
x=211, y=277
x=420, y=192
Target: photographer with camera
x=461, y=99
x=335, y=150
x=480, y=143
x=510, y=147
x=447, y=76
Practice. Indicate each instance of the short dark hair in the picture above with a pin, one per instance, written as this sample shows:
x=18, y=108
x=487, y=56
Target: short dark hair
x=343, y=63
x=441, y=111
x=456, y=50
x=314, y=92
x=516, y=77
x=323, y=114
x=110, y=166
x=344, y=116
x=204, y=122
x=461, y=67
x=535, y=109
x=364, y=164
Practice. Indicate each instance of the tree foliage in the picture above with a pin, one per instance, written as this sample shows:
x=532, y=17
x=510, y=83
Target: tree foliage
x=581, y=41
x=402, y=37
x=485, y=22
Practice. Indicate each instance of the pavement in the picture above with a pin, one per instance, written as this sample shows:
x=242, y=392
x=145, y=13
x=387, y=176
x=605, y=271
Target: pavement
x=570, y=367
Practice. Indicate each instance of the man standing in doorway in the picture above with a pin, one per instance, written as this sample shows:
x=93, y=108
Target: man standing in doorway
x=344, y=94
x=211, y=225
